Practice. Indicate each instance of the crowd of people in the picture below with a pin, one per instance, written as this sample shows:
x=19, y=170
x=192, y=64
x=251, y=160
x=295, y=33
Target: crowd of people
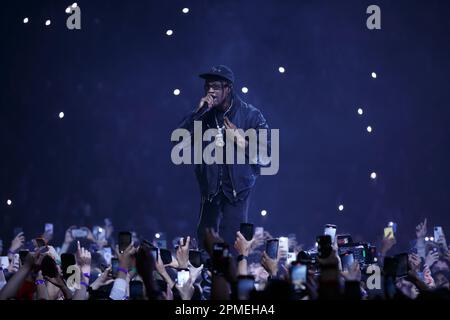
x=101, y=264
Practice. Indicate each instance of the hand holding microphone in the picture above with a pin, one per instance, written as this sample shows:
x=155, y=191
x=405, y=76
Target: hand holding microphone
x=206, y=104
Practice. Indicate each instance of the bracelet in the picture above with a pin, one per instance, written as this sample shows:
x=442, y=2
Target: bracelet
x=84, y=284
x=123, y=270
x=39, y=281
x=87, y=275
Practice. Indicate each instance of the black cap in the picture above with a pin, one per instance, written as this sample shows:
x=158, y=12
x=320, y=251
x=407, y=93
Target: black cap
x=220, y=71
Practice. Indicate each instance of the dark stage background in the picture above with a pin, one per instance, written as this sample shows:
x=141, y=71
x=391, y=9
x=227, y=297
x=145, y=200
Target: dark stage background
x=114, y=80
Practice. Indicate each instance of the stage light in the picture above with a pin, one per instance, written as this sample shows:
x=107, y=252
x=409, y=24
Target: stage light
x=185, y=10
x=374, y=75
x=341, y=207
x=369, y=129
x=157, y=235
x=176, y=92
x=61, y=115
x=281, y=69
x=244, y=89
x=375, y=259
x=426, y=238
x=68, y=10
x=431, y=238
x=263, y=213
x=25, y=20
x=373, y=175
x=390, y=224
x=169, y=32
x=74, y=5
x=8, y=202
x=47, y=23
x=360, y=111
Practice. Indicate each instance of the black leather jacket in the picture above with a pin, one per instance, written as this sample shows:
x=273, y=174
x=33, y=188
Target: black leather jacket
x=242, y=176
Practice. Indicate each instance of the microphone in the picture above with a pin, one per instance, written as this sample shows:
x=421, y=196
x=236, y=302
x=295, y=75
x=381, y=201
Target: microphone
x=204, y=109
x=204, y=105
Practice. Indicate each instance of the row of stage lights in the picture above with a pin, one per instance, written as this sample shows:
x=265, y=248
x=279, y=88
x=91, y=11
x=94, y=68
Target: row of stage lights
x=369, y=129
x=48, y=22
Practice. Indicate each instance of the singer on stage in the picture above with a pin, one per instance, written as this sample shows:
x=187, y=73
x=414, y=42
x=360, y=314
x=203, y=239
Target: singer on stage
x=225, y=188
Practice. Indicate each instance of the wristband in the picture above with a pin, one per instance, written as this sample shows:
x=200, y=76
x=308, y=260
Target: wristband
x=40, y=281
x=123, y=270
x=271, y=277
x=216, y=272
x=133, y=270
x=84, y=284
x=87, y=275
x=241, y=257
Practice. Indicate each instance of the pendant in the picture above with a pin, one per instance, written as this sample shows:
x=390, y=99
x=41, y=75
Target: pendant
x=219, y=139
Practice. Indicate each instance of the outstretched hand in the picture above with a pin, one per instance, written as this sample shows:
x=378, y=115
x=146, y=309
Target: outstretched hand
x=353, y=273
x=211, y=237
x=421, y=229
x=126, y=258
x=182, y=253
x=83, y=258
x=242, y=245
x=104, y=279
x=17, y=242
x=269, y=264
